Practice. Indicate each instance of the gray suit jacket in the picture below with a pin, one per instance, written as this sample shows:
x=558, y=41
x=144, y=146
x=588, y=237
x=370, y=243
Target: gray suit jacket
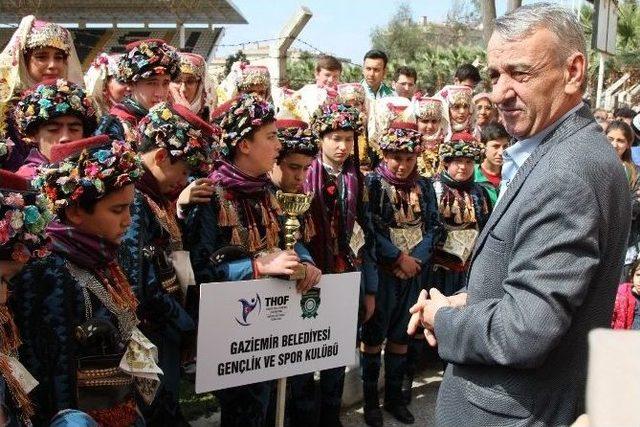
x=544, y=273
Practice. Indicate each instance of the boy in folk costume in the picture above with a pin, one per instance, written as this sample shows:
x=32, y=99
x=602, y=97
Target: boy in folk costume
x=102, y=84
x=458, y=102
x=37, y=51
x=174, y=143
x=339, y=209
x=433, y=124
x=405, y=217
x=147, y=67
x=77, y=311
x=464, y=207
x=243, y=212
x=193, y=88
x=53, y=112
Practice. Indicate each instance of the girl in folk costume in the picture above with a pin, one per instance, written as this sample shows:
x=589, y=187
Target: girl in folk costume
x=37, y=51
x=243, y=212
x=193, y=87
x=245, y=78
x=102, y=84
x=621, y=137
x=457, y=101
x=174, y=142
x=147, y=67
x=404, y=210
x=339, y=209
x=383, y=112
x=77, y=311
x=626, y=311
x=51, y=113
x=485, y=113
x=464, y=209
x=433, y=124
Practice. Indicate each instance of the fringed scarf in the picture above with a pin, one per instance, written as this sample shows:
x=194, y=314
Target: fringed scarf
x=163, y=209
x=236, y=190
x=97, y=255
x=403, y=193
x=325, y=220
x=457, y=205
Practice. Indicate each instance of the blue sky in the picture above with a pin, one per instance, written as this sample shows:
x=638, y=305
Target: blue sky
x=340, y=27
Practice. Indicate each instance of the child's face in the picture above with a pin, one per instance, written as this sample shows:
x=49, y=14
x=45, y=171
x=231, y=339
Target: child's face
x=151, y=91
x=494, y=150
x=115, y=90
x=329, y=78
x=400, y=164
x=428, y=126
x=337, y=146
x=110, y=218
x=290, y=173
x=484, y=111
x=618, y=141
x=58, y=131
x=263, y=148
x=460, y=113
x=636, y=281
x=460, y=168
x=47, y=63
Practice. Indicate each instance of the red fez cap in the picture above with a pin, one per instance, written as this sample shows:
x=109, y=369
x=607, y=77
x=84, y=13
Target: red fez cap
x=62, y=151
x=12, y=181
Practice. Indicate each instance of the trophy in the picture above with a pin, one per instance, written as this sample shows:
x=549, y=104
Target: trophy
x=293, y=205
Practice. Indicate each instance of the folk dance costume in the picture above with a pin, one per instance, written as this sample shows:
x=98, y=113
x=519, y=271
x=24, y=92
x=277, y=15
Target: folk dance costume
x=477, y=129
x=102, y=70
x=383, y=112
x=45, y=102
x=431, y=109
x=25, y=215
x=453, y=97
x=194, y=66
x=153, y=243
x=15, y=76
x=77, y=312
x=240, y=224
x=142, y=60
x=464, y=209
x=406, y=223
x=339, y=209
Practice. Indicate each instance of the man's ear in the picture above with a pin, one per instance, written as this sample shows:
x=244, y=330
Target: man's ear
x=574, y=73
x=74, y=214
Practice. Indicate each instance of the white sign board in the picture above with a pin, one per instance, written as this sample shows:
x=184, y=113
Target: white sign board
x=260, y=330
x=605, y=26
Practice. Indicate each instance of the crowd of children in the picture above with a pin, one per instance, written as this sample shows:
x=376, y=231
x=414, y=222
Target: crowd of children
x=118, y=200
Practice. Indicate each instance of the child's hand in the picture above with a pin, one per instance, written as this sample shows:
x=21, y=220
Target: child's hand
x=277, y=263
x=199, y=191
x=369, y=306
x=408, y=265
x=311, y=279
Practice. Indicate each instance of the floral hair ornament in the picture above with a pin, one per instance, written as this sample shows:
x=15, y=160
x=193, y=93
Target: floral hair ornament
x=482, y=95
x=87, y=169
x=402, y=137
x=24, y=216
x=428, y=109
x=352, y=94
x=456, y=95
x=6, y=145
x=334, y=116
x=52, y=99
x=48, y=34
x=253, y=75
x=296, y=137
x=462, y=144
x=191, y=63
x=147, y=58
x=239, y=118
x=182, y=133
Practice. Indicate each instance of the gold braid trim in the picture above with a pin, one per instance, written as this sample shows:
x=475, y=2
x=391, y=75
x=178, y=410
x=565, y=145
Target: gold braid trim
x=20, y=398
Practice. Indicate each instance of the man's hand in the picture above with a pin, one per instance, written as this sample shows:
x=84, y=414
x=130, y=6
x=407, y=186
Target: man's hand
x=458, y=300
x=369, y=306
x=311, y=279
x=424, y=312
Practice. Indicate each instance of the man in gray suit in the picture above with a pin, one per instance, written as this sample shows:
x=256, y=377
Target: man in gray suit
x=546, y=266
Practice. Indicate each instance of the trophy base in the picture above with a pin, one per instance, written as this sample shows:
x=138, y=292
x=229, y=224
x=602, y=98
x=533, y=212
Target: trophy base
x=299, y=272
